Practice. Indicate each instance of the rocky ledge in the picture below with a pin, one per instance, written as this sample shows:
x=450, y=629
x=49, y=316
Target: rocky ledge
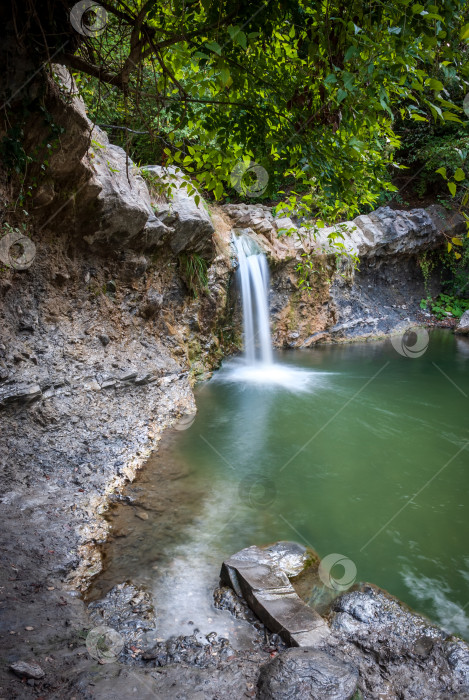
x=380, y=297
x=364, y=645
x=365, y=640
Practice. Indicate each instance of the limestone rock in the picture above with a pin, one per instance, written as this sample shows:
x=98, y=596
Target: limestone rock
x=388, y=231
x=410, y=656
x=463, y=325
x=120, y=214
x=110, y=204
x=458, y=659
x=258, y=575
x=191, y=225
x=152, y=304
x=260, y=220
x=284, y=223
x=303, y=674
x=19, y=393
x=371, y=613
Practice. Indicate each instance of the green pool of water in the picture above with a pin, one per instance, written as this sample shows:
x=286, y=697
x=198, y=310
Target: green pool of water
x=370, y=461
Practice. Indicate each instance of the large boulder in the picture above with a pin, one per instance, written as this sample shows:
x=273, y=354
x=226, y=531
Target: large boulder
x=397, y=651
x=261, y=576
x=120, y=213
x=304, y=674
x=388, y=232
x=108, y=203
x=190, y=222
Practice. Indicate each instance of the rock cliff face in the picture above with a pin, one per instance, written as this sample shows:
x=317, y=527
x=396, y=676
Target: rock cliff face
x=382, y=295
x=101, y=342
x=96, y=192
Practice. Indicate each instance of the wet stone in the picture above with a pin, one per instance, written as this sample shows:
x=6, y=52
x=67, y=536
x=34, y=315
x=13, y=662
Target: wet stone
x=305, y=673
x=24, y=669
x=258, y=575
x=458, y=659
x=226, y=599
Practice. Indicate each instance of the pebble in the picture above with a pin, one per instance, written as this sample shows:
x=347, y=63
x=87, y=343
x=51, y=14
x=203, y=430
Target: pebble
x=27, y=670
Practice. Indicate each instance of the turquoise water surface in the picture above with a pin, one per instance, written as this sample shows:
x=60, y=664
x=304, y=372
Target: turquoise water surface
x=366, y=455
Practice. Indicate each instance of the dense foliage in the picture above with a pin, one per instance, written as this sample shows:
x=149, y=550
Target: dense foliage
x=330, y=108
x=312, y=92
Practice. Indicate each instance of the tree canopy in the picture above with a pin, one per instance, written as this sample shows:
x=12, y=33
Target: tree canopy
x=314, y=93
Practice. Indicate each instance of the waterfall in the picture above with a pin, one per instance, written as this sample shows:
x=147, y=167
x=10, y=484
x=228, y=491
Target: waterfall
x=254, y=276
x=258, y=366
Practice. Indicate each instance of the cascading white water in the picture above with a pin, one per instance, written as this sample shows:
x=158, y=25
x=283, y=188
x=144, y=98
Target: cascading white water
x=254, y=275
x=258, y=366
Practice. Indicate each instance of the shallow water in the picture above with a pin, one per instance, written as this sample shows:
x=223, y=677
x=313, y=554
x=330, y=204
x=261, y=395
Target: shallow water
x=359, y=451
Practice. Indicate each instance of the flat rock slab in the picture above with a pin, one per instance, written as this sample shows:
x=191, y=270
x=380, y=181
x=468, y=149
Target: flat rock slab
x=260, y=576
x=303, y=674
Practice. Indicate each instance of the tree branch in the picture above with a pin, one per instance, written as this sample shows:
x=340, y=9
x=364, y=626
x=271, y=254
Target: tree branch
x=80, y=64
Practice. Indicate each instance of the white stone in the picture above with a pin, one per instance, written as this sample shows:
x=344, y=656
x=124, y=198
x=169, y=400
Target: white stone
x=463, y=325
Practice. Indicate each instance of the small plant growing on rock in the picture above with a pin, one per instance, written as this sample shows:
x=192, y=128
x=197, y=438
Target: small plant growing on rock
x=445, y=305
x=193, y=268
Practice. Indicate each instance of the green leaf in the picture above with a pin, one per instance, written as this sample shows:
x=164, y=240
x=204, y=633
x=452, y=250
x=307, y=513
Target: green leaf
x=449, y=117
x=435, y=84
x=464, y=32
x=237, y=35
x=457, y=241
x=459, y=175
x=442, y=172
x=213, y=46
x=225, y=76
x=435, y=110
x=341, y=94
x=351, y=51
x=452, y=188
